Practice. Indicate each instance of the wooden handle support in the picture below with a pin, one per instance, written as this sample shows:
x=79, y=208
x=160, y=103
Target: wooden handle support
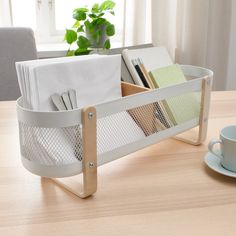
x=89, y=161
x=203, y=118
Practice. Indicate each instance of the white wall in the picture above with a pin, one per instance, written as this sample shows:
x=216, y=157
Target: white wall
x=5, y=19
x=231, y=77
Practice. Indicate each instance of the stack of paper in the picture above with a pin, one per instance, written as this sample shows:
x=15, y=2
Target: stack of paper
x=95, y=78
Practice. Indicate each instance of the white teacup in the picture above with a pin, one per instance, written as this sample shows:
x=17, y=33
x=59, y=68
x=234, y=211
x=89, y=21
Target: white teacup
x=228, y=147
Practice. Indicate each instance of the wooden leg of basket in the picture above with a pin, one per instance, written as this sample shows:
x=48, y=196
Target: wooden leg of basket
x=89, y=159
x=203, y=118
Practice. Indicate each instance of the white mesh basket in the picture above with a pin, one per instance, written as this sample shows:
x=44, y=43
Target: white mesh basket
x=52, y=142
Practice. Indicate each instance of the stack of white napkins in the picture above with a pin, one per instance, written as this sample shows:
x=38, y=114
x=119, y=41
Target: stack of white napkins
x=96, y=79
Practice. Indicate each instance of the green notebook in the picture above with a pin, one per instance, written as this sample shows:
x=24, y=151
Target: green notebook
x=180, y=108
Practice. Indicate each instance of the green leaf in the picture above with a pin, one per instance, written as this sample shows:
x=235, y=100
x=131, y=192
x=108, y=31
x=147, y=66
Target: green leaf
x=99, y=21
x=97, y=35
x=92, y=16
x=96, y=16
x=107, y=5
x=81, y=9
x=95, y=8
x=89, y=26
x=112, y=12
x=107, y=44
x=101, y=14
x=70, y=53
x=79, y=15
x=82, y=51
x=80, y=29
x=70, y=36
x=76, y=24
x=110, y=30
x=83, y=42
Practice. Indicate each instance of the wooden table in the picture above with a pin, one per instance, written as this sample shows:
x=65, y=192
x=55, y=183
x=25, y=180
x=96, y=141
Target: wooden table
x=165, y=189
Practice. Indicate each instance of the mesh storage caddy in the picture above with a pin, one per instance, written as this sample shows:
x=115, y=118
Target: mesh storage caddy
x=60, y=144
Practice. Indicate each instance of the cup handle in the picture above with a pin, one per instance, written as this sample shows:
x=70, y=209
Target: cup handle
x=211, y=147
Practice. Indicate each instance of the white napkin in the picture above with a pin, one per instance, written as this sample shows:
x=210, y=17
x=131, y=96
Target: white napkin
x=25, y=83
x=95, y=78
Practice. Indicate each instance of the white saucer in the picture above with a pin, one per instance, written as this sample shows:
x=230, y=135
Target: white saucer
x=213, y=162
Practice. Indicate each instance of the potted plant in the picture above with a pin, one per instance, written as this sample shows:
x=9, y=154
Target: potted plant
x=91, y=29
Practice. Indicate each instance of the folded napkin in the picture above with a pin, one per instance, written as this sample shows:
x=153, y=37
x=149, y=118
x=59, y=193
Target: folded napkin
x=95, y=78
x=25, y=83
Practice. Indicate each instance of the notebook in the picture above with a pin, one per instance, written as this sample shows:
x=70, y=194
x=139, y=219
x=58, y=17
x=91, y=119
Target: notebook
x=180, y=108
x=152, y=58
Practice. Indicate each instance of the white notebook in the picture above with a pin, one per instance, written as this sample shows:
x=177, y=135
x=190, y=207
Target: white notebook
x=153, y=58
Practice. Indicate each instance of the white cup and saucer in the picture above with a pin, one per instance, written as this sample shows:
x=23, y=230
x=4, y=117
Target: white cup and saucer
x=223, y=160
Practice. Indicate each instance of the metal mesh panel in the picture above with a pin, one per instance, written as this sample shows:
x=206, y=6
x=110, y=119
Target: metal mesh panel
x=135, y=124
x=62, y=146
x=115, y=131
x=51, y=146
